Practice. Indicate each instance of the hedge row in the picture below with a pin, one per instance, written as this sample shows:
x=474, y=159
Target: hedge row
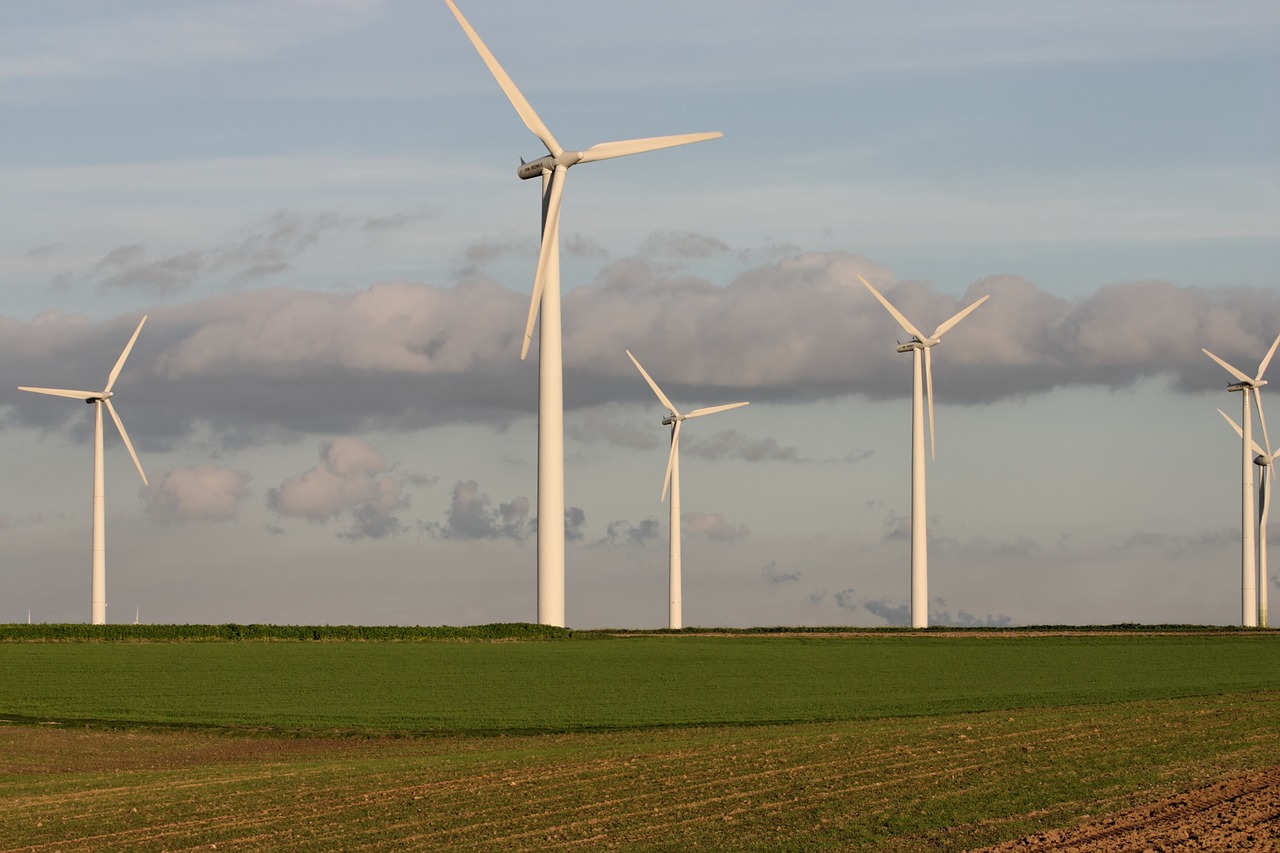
x=345, y=633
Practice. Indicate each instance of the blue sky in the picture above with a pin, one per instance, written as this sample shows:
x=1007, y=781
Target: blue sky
x=316, y=204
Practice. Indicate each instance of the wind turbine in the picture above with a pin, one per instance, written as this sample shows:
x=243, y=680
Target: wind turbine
x=675, y=616
x=98, y=557
x=1265, y=460
x=919, y=536
x=1247, y=385
x=545, y=303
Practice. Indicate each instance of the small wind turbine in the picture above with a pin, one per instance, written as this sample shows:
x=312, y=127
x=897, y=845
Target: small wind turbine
x=919, y=520
x=675, y=617
x=545, y=302
x=98, y=559
x=1265, y=460
x=1247, y=385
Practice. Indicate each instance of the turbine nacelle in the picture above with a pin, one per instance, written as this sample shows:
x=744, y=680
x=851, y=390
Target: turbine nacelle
x=545, y=165
x=100, y=398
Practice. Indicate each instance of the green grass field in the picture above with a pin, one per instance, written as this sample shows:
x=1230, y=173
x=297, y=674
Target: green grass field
x=660, y=742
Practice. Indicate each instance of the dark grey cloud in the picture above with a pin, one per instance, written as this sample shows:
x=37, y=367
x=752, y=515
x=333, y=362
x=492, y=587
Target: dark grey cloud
x=847, y=599
x=1175, y=546
x=403, y=356
x=623, y=532
x=471, y=515
x=900, y=615
x=574, y=520
x=773, y=576
x=683, y=244
x=264, y=248
x=731, y=444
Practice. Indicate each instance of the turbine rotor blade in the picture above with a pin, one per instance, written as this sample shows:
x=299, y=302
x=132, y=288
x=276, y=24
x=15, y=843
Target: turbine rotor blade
x=1236, y=373
x=127, y=443
x=115, y=371
x=62, y=392
x=671, y=459
x=928, y=385
x=608, y=150
x=897, y=315
x=550, y=242
x=945, y=327
x=697, y=413
x=518, y=100
x=1235, y=426
x=1262, y=367
x=654, y=385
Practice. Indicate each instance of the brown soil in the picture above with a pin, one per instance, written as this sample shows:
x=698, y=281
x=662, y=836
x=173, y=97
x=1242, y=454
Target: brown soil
x=1240, y=813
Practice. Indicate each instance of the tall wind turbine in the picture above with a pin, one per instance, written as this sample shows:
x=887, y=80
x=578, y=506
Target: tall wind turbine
x=98, y=554
x=919, y=536
x=675, y=616
x=545, y=303
x=1247, y=385
x=1265, y=460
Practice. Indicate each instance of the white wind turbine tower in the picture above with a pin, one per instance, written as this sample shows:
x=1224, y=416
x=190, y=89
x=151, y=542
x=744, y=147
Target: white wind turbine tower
x=545, y=303
x=1247, y=385
x=919, y=520
x=98, y=557
x=675, y=616
x=1265, y=460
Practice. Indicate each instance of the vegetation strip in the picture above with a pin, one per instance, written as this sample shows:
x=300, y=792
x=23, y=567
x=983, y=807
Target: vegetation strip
x=585, y=685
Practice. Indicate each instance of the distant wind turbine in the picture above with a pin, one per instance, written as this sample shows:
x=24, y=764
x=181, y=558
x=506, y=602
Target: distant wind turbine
x=1265, y=460
x=545, y=303
x=919, y=521
x=675, y=616
x=1247, y=385
x=98, y=557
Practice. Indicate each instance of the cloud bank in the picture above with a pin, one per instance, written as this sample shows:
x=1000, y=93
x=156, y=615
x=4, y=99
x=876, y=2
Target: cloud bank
x=403, y=356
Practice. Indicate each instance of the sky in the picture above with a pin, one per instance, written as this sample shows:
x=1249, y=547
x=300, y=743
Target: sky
x=315, y=203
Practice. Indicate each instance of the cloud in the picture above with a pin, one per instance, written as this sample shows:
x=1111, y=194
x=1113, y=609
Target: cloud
x=472, y=516
x=682, y=244
x=11, y=522
x=574, y=520
x=261, y=250
x=403, y=356
x=848, y=599
x=893, y=614
x=170, y=36
x=205, y=493
x=900, y=615
x=352, y=481
x=773, y=576
x=731, y=444
x=712, y=526
x=623, y=532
